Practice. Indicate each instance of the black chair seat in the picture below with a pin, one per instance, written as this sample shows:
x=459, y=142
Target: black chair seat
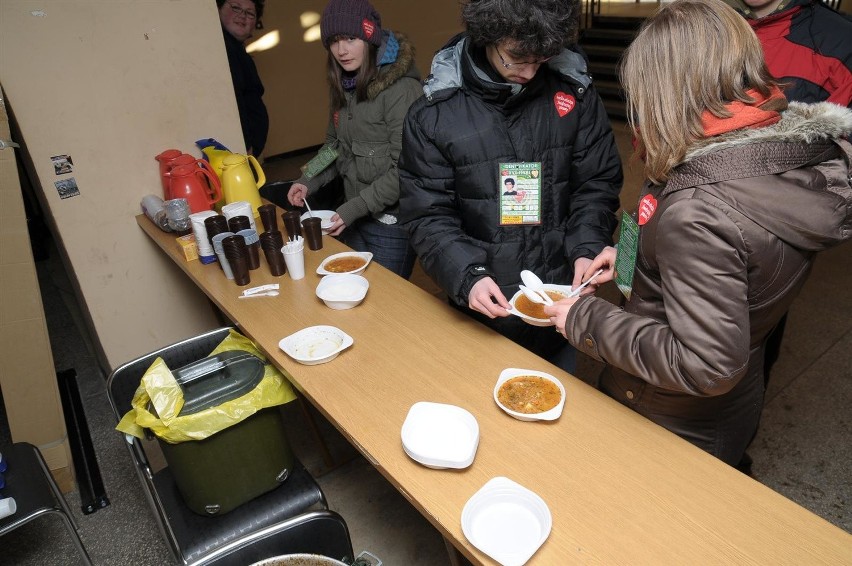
x=198, y=536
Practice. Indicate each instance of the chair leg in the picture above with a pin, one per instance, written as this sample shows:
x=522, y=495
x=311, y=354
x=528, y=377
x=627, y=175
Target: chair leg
x=312, y=423
x=65, y=511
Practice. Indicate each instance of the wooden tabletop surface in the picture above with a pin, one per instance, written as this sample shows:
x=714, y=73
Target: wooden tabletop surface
x=621, y=490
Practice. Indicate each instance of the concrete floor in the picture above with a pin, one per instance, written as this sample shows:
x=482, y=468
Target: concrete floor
x=802, y=450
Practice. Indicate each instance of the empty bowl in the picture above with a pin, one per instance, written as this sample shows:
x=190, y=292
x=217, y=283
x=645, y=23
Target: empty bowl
x=316, y=344
x=340, y=292
x=529, y=395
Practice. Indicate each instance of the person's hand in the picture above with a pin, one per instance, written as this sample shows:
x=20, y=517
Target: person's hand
x=558, y=313
x=482, y=299
x=337, y=225
x=297, y=193
x=606, y=261
x=580, y=266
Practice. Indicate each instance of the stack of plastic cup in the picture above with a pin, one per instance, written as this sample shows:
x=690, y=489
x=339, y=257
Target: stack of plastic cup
x=240, y=208
x=292, y=223
x=220, y=253
x=241, y=222
x=294, y=257
x=268, y=218
x=271, y=243
x=177, y=212
x=234, y=248
x=202, y=240
x=253, y=244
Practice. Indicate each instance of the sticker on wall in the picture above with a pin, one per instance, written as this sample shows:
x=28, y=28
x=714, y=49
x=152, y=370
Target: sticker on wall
x=62, y=164
x=67, y=188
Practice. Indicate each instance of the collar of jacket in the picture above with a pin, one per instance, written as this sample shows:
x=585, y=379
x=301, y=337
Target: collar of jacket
x=448, y=71
x=806, y=129
x=401, y=66
x=743, y=8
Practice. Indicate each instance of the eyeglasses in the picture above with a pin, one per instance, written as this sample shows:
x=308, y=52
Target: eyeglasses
x=242, y=12
x=521, y=65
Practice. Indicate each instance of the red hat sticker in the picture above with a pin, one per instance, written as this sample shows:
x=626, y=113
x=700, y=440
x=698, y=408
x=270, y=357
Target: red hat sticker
x=368, y=27
x=647, y=206
x=564, y=103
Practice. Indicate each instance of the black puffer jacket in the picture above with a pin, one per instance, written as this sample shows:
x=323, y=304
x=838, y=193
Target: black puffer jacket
x=450, y=188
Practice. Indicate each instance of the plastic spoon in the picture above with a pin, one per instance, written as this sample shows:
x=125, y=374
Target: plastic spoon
x=310, y=212
x=264, y=294
x=532, y=295
x=575, y=292
x=535, y=284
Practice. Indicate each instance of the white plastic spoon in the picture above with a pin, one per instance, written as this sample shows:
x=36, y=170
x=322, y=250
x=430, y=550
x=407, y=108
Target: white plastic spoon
x=532, y=295
x=264, y=294
x=575, y=292
x=536, y=285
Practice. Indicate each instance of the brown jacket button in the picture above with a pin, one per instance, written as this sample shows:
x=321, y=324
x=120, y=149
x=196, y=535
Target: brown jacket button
x=630, y=395
x=590, y=343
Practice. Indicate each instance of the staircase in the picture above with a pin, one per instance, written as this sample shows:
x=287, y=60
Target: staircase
x=604, y=42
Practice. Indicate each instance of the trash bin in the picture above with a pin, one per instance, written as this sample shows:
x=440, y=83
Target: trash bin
x=236, y=464
x=218, y=423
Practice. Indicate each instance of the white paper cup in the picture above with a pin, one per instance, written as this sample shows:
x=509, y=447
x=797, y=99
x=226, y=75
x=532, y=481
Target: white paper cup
x=7, y=507
x=295, y=261
x=240, y=208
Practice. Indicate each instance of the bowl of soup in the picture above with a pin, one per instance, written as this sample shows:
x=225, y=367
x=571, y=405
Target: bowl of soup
x=533, y=313
x=345, y=262
x=529, y=395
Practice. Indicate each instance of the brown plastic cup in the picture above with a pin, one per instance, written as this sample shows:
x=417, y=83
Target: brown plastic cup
x=237, y=223
x=313, y=232
x=268, y=217
x=275, y=261
x=292, y=223
x=236, y=251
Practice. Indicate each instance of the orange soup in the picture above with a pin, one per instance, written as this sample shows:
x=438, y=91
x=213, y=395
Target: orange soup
x=529, y=394
x=535, y=310
x=345, y=264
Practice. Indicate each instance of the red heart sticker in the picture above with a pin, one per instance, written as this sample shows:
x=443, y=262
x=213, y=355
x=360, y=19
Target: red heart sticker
x=564, y=103
x=647, y=206
x=368, y=28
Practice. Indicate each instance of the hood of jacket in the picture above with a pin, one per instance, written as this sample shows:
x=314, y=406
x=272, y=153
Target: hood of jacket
x=450, y=63
x=792, y=178
x=396, y=60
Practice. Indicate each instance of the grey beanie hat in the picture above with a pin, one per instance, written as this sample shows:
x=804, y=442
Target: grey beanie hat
x=353, y=18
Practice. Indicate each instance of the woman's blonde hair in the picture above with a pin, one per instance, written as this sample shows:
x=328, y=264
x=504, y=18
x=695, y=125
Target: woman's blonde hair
x=691, y=56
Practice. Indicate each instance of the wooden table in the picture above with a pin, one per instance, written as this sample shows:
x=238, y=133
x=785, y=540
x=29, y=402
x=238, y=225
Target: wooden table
x=621, y=489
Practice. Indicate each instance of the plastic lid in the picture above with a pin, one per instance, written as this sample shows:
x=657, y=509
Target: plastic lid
x=217, y=379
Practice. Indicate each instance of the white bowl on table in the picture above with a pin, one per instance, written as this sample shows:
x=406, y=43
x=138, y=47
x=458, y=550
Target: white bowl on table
x=343, y=291
x=548, y=415
x=323, y=215
x=363, y=257
x=315, y=344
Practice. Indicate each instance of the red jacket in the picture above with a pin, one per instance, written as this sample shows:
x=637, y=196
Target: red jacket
x=808, y=47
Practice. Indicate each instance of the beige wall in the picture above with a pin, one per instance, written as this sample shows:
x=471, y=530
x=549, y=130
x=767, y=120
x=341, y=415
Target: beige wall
x=293, y=73
x=112, y=84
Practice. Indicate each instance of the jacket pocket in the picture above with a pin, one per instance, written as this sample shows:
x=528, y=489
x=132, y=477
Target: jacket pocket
x=372, y=159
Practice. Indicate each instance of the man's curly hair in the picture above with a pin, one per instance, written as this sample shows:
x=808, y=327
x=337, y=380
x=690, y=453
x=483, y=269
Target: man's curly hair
x=541, y=28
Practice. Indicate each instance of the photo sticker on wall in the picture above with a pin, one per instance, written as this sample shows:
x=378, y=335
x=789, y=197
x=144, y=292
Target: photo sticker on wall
x=67, y=188
x=62, y=164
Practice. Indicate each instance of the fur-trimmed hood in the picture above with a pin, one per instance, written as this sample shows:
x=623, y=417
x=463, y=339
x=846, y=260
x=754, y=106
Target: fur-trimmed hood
x=805, y=123
x=792, y=178
x=402, y=66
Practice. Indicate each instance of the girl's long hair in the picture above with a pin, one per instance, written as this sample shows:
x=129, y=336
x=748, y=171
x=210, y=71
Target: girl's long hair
x=365, y=75
x=691, y=56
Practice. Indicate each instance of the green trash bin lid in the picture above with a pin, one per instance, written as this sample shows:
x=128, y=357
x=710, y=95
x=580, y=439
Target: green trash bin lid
x=218, y=379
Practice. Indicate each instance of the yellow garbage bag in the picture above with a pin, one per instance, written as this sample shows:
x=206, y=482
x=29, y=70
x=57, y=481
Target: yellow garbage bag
x=160, y=389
